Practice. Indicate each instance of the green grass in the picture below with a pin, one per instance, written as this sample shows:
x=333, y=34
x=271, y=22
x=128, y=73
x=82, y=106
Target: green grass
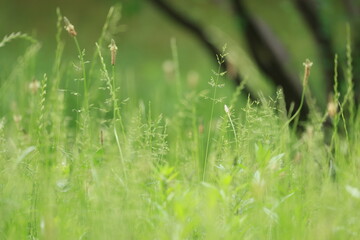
x=87, y=160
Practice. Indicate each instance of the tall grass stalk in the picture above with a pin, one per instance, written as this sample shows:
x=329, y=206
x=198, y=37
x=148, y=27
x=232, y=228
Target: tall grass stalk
x=41, y=120
x=59, y=51
x=349, y=96
x=196, y=151
x=228, y=113
x=112, y=88
x=215, y=84
x=111, y=22
x=336, y=103
x=55, y=95
x=82, y=62
x=71, y=30
x=175, y=56
x=101, y=38
x=307, y=66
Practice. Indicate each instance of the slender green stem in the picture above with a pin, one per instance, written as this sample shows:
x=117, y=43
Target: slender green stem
x=117, y=114
x=113, y=95
x=110, y=81
x=336, y=101
x=177, y=68
x=81, y=57
x=120, y=151
x=196, y=140
x=295, y=117
x=116, y=106
x=307, y=64
x=101, y=38
x=210, y=124
x=349, y=77
x=228, y=113
x=344, y=122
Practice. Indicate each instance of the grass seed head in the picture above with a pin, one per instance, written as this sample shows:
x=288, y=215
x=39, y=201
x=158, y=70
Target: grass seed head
x=332, y=108
x=168, y=67
x=69, y=27
x=193, y=79
x=307, y=64
x=17, y=118
x=34, y=86
x=113, y=49
x=226, y=108
x=201, y=129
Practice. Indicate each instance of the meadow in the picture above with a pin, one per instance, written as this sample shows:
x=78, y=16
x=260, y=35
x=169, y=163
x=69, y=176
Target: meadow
x=83, y=156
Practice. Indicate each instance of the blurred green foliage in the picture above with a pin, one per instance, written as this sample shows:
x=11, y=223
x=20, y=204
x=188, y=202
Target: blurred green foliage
x=144, y=40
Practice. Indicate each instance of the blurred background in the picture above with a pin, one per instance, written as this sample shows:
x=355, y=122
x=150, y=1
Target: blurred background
x=258, y=33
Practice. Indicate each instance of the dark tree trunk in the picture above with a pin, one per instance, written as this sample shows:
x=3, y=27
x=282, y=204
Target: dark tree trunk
x=268, y=54
x=200, y=35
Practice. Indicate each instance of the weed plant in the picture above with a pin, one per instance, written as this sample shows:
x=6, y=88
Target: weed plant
x=77, y=165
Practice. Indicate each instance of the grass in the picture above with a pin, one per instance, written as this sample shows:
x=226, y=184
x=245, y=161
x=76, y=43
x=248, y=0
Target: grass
x=84, y=163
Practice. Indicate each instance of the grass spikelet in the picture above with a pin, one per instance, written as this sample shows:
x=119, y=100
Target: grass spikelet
x=16, y=35
x=59, y=49
x=109, y=30
x=349, y=96
x=113, y=50
x=69, y=27
x=42, y=106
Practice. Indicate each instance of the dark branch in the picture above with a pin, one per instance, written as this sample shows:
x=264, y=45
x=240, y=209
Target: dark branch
x=309, y=11
x=353, y=10
x=269, y=55
x=197, y=32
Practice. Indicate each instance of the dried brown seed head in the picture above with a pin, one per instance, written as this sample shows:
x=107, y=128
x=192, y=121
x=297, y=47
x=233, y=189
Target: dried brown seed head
x=332, y=108
x=34, y=86
x=113, y=49
x=69, y=27
x=307, y=64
